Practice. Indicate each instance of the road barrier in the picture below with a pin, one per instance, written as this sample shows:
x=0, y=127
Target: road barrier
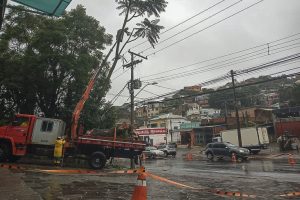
x=234, y=194
x=7, y=166
x=290, y=194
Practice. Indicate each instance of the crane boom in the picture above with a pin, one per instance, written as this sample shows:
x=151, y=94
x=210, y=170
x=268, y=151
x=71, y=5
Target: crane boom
x=80, y=104
x=85, y=96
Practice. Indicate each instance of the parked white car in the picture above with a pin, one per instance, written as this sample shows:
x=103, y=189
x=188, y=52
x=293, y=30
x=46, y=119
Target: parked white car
x=153, y=152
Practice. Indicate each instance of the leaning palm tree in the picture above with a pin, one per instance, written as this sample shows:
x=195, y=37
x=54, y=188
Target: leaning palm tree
x=132, y=9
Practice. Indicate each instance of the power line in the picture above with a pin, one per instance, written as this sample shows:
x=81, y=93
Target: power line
x=227, y=55
x=165, y=87
x=260, y=67
x=188, y=19
x=248, y=7
x=270, y=64
x=188, y=28
x=230, y=54
x=224, y=89
x=213, y=66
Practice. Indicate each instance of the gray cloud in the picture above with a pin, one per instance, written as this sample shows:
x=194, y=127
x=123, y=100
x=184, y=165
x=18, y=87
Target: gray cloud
x=265, y=22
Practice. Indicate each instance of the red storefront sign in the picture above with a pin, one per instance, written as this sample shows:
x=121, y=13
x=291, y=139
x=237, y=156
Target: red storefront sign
x=151, y=131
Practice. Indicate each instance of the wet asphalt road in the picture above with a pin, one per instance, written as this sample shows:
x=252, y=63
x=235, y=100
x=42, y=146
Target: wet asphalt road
x=264, y=178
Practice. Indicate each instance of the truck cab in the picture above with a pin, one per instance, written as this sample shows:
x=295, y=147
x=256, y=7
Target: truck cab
x=27, y=133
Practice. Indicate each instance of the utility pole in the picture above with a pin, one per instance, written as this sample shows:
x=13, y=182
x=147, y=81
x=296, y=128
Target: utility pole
x=226, y=119
x=236, y=110
x=131, y=88
x=132, y=83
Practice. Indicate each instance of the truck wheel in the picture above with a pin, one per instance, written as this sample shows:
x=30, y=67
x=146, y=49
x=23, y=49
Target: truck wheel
x=254, y=152
x=14, y=158
x=210, y=156
x=3, y=152
x=136, y=160
x=97, y=160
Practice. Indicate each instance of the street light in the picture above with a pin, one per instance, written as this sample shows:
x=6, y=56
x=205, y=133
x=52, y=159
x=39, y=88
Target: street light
x=153, y=83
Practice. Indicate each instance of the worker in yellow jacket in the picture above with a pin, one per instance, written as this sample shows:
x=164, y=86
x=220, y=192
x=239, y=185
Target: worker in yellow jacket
x=59, y=150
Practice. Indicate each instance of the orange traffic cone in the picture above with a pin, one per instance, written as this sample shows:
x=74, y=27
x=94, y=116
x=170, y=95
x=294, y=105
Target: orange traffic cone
x=140, y=190
x=233, y=157
x=291, y=160
x=143, y=156
x=189, y=156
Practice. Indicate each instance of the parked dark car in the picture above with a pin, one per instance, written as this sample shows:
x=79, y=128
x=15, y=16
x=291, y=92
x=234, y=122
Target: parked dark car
x=224, y=149
x=173, y=144
x=167, y=149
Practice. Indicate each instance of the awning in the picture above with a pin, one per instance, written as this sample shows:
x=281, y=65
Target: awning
x=49, y=7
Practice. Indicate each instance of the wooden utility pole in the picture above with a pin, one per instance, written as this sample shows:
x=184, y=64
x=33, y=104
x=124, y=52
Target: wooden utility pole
x=132, y=82
x=131, y=90
x=236, y=110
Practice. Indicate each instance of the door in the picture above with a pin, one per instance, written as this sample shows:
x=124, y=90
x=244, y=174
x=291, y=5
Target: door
x=18, y=130
x=220, y=149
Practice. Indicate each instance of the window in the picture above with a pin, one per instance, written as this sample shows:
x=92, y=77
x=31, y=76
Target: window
x=219, y=145
x=21, y=121
x=47, y=126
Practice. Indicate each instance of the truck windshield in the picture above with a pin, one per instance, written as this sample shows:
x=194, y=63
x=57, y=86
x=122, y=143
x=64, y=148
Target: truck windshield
x=21, y=121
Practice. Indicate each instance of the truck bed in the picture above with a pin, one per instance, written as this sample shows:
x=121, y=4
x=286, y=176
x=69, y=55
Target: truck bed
x=110, y=142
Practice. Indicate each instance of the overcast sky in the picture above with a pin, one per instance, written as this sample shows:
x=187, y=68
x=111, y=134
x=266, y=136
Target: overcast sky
x=263, y=23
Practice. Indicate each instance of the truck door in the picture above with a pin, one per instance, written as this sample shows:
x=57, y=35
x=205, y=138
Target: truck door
x=18, y=130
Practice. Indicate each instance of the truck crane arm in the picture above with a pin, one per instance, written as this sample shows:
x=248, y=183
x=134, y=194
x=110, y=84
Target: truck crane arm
x=85, y=96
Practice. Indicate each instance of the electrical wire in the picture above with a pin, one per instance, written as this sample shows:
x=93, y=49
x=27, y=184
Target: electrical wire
x=188, y=28
x=274, y=63
x=220, y=90
x=186, y=20
x=265, y=45
x=224, y=19
x=223, y=64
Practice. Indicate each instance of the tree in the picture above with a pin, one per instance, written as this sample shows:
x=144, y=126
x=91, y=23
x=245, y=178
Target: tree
x=130, y=10
x=47, y=63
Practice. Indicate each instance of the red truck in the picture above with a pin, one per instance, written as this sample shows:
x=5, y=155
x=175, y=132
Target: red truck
x=29, y=134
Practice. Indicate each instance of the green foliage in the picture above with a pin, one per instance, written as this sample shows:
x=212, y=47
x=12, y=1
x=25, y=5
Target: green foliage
x=131, y=10
x=47, y=63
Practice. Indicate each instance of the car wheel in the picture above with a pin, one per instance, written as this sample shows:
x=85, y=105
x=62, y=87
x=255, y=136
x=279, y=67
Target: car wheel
x=153, y=156
x=245, y=158
x=97, y=160
x=210, y=156
x=166, y=154
x=239, y=159
x=174, y=155
x=254, y=152
x=221, y=158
